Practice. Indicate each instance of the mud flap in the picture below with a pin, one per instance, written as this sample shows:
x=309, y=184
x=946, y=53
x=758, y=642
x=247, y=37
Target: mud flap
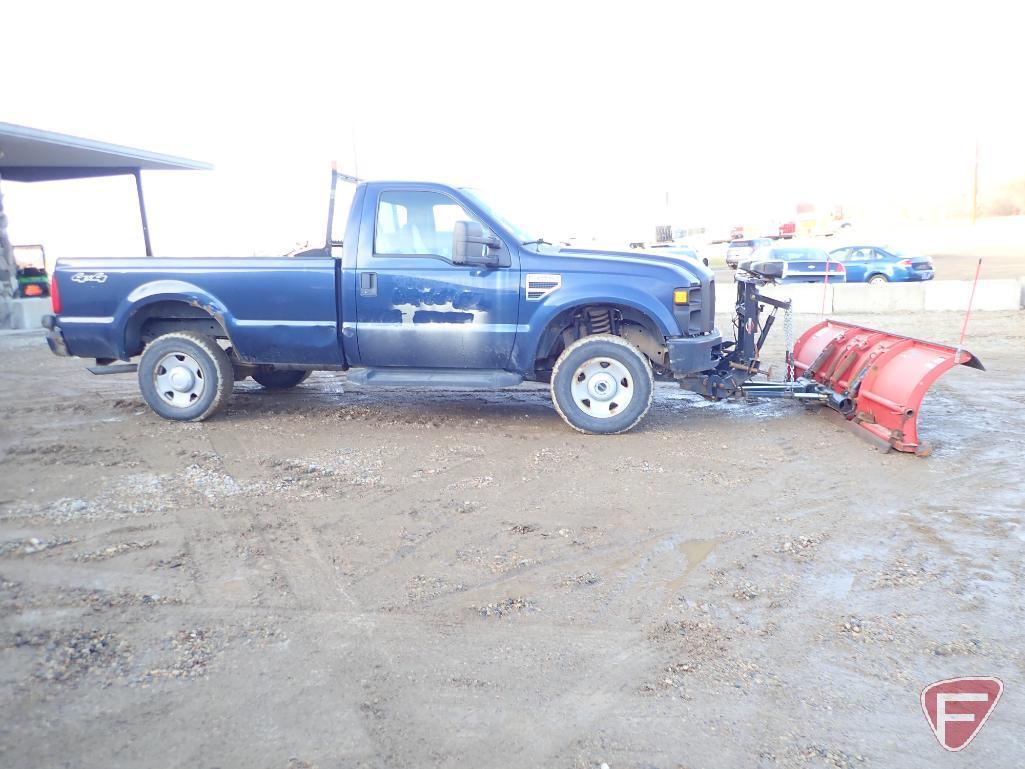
x=885, y=375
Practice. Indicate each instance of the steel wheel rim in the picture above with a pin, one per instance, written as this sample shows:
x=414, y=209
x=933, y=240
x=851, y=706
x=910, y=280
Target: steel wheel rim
x=178, y=380
x=602, y=387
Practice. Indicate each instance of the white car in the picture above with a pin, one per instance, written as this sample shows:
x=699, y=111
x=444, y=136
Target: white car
x=740, y=250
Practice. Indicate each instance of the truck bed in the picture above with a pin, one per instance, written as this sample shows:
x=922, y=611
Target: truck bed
x=282, y=309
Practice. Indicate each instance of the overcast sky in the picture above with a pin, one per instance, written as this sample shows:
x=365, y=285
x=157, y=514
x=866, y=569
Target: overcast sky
x=578, y=118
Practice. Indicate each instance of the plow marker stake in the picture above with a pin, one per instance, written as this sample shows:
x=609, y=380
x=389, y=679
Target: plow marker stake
x=885, y=375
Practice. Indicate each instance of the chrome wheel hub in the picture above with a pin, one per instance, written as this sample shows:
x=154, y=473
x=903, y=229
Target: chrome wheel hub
x=181, y=379
x=178, y=379
x=602, y=387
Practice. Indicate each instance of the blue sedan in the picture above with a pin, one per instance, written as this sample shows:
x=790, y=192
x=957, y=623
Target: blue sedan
x=880, y=264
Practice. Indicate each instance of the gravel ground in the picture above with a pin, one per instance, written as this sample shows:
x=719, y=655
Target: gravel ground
x=345, y=577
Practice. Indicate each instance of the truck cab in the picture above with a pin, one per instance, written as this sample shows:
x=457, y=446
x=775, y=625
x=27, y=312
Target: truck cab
x=441, y=280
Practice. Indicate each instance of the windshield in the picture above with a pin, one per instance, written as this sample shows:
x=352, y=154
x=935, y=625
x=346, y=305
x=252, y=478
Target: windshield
x=516, y=231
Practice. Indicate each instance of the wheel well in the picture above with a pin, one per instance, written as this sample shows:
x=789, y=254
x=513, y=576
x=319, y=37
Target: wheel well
x=587, y=319
x=153, y=320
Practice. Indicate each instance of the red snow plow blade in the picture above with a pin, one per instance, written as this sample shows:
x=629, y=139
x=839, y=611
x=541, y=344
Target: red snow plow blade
x=880, y=377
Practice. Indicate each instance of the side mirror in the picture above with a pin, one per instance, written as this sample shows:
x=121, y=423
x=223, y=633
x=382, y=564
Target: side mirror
x=469, y=244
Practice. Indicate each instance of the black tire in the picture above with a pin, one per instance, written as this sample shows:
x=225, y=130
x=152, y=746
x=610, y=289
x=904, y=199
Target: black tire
x=878, y=280
x=281, y=380
x=569, y=368
x=202, y=359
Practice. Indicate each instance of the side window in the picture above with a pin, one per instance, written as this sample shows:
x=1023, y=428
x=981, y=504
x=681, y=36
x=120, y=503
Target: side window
x=862, y=255
x=841, y=255
x=416, y=222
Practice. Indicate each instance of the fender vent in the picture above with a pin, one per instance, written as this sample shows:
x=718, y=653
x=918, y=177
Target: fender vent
x=540, y=285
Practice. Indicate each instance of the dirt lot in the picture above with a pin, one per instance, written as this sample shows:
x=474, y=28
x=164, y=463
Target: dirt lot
x=335, y=577
x=962, y=266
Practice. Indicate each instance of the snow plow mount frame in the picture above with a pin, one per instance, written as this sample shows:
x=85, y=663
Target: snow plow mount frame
x=874, y=379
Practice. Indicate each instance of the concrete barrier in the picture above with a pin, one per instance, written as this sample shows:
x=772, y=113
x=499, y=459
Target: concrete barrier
x=28, y=313
x=996, y=294
x=805, y=298
x=932, y=296
x=892, y=297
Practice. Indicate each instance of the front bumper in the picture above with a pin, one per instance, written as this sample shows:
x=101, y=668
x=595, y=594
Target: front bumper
x=54, y=337
x=690, y=354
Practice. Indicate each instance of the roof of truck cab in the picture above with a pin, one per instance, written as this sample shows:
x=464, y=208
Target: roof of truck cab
x=414, y=183
x=33, y=155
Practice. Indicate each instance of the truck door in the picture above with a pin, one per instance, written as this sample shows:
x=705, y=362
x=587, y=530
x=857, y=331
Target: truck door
x=414, y=307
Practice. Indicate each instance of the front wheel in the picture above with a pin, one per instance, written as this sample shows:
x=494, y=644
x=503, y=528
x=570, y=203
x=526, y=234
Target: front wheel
x=878, y=280
x=602, y=384
x=185, y=376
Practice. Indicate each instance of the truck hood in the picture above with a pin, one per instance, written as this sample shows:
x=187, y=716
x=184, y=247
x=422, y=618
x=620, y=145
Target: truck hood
x=622, y=261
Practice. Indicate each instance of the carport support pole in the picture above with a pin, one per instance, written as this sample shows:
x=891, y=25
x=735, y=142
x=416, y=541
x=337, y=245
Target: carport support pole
x=142, y=210
x=7, y=268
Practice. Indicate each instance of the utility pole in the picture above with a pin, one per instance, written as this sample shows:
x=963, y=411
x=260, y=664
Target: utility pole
x=975, y=183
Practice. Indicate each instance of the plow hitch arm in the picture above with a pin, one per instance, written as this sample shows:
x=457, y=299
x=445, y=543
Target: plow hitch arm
x=802, y=390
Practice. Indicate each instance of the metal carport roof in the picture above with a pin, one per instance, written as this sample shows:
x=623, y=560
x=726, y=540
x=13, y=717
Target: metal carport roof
x=32, y=155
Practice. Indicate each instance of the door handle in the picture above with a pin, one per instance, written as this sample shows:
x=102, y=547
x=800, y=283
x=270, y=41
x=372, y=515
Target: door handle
x=368, y=284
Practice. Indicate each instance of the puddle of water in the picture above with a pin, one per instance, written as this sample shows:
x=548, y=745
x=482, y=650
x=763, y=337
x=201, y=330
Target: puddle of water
x=678, y=399
x=836, y=585
x=865, y=550
x=696, y=551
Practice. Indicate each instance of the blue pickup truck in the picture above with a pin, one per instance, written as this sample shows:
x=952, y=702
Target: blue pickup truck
x=428, y=287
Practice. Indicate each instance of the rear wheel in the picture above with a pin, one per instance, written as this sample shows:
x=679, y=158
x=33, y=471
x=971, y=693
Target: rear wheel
x=878, y=280
x=185, y=376
x=602, y=384
x=281, y=380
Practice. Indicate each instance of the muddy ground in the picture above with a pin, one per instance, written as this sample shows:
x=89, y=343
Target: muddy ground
x=336, y=577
